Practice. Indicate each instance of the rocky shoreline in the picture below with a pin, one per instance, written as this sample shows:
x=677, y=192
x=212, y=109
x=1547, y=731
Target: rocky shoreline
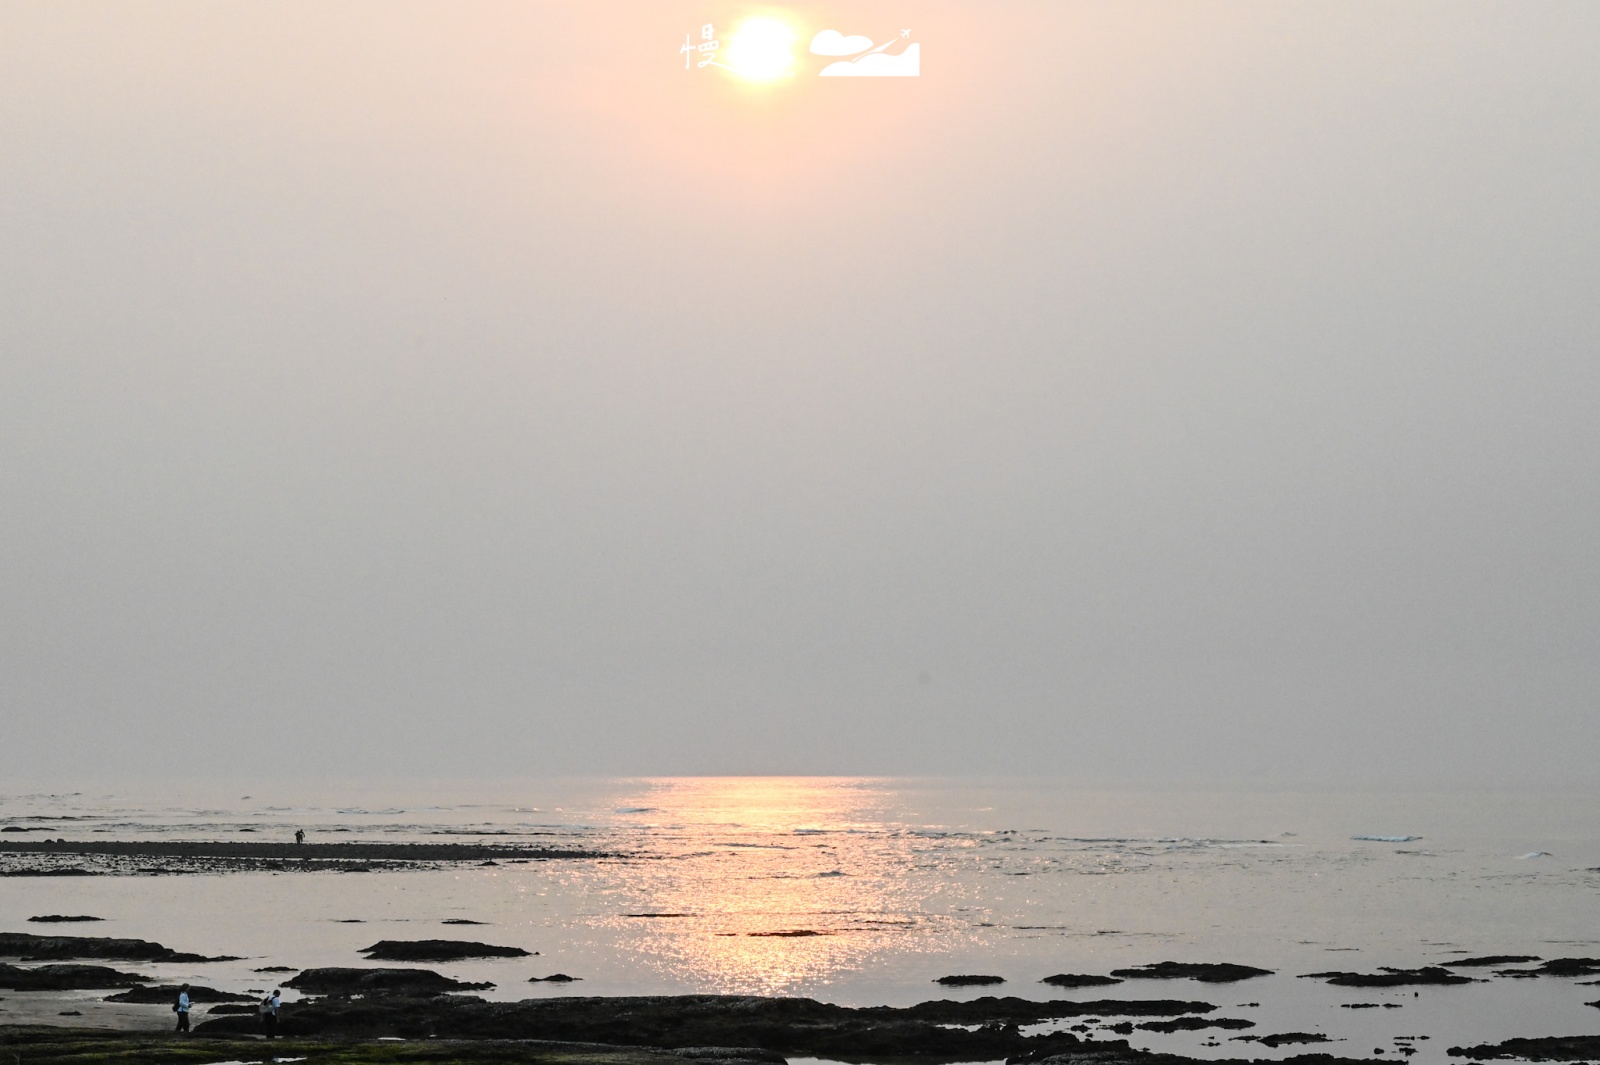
x=60, y=857
x=936, y=1032
x=47, y=1045
x=353, y=1015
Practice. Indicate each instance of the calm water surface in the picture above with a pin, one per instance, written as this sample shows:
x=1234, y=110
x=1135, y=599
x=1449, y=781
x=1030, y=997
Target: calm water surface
x=898, y=882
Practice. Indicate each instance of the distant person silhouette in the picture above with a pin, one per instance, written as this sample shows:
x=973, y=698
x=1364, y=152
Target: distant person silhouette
x=181, y=1008
x=299, y=835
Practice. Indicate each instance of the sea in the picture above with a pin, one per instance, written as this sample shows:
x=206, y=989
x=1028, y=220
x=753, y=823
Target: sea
x=881, y=886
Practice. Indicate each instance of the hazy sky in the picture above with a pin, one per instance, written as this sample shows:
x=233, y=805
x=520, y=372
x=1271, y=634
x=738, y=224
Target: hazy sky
x=1145, y=391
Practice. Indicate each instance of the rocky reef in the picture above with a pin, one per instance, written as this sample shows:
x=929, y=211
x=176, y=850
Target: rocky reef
x=65, y=977
x=30, y=947
x=169, y=993
x=985, y=1029
x=1387, y=977
x=1540, y=1048
x=1079, y=980
x=343, y=981
x=1205, y=972
x=61, y=857
x=437, y=950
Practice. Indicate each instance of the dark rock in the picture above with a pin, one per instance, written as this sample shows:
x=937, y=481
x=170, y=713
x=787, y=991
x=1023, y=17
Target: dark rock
x=1539, y=1048
x=1205, y=972
x=970, y=981
x=1284, y=1038
x=69, y=1013
x=63, y=1045
x=19, y=828
x=437, y=950
x=275, y=969
x=65, y=977
x=231, y=1008
x=344, y=981
x=1431, y=974
x=169, y=993
x=1569, y=967
x=554, y=978
x=790, y=933
x=933, y=1031
x=989, y=1009
x=1194, y=1024
x=62, y=918
x=1493, y=959
x=40, y=948
x=55, y=870
x=460, y=920
x=250, y=850
x=1078, y=980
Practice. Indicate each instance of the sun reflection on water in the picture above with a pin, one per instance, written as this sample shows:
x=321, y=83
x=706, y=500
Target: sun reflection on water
x=773, y=885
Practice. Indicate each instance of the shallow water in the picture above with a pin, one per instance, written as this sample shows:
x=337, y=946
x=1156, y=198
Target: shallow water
x=900, y=882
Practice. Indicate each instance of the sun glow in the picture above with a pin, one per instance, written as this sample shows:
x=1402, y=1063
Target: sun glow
x=780, y=896
x=761, y=50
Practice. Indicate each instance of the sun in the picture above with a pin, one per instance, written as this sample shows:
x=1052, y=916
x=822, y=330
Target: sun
x=760, y=50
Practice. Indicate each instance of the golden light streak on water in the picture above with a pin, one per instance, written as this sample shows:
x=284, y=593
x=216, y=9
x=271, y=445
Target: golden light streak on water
x=792, y=904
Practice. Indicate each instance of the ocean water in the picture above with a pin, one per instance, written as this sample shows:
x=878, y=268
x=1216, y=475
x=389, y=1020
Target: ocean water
x=898, y=882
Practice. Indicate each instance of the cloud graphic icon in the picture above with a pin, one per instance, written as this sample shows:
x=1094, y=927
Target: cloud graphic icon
x=908, y=64
x=832, y=42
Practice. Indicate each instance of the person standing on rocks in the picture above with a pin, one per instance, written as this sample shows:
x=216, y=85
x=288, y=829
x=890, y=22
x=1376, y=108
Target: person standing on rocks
x=269, y=1012
x=181, y=1008
x=299, y=835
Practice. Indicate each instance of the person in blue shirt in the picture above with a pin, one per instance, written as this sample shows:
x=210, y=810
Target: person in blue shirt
x=181, y=1008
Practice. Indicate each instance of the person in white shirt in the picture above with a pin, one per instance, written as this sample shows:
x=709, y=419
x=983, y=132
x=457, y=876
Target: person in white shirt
x=181, y=1007
x=269, y=1016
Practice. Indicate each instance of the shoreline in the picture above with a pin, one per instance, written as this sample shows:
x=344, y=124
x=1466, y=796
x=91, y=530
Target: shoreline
x=42, y=858
x=360, y=1015
x=365, y=1003
x=621, y=1041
